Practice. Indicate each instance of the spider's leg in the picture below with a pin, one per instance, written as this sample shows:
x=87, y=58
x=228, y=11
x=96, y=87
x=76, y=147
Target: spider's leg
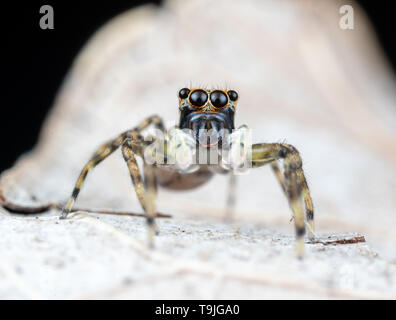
x=230, y=206
x=309, y=211
x=150, y=183
x=302, y=182
x=133, y=133
x=278, y=174
x=292, y=181
x=103, y=152
x=145, y=191
x=154, y=120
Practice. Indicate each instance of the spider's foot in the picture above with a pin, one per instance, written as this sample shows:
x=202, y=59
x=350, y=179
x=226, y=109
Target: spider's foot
x=67, y=208
x=311, y=232
x=64, y=214
x=152, y=231
x=300, y=248
x=237, y=231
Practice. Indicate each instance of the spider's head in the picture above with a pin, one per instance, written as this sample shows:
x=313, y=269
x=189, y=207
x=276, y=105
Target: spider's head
x=208, y=113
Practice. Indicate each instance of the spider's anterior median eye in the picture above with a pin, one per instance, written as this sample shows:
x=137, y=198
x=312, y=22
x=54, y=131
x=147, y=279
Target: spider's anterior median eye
x=198, y=98
x=183, y=93
x=233, y=95
x=218, y=99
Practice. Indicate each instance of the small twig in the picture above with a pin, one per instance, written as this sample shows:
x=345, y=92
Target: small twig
x=356, y=239
x=16, y=208
x=121, y=213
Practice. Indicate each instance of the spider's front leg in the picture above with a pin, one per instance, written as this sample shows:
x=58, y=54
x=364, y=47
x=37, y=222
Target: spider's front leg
x=103, y=152
x=146, y=190
x=100, y=154
x=293, y=182
x=305, y=193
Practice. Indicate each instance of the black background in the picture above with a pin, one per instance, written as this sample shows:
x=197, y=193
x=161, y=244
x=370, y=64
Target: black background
x=35, y=61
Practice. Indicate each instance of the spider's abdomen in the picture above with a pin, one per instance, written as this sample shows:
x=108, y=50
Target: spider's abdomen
x=170, y=179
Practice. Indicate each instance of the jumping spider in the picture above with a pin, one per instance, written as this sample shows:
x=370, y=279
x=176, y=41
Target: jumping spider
x=201, y=111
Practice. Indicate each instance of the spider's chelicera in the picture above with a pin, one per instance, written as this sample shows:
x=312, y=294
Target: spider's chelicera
x=204, y=143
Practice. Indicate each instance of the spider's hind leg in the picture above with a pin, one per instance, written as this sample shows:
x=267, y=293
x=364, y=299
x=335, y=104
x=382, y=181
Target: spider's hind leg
x=230, y=205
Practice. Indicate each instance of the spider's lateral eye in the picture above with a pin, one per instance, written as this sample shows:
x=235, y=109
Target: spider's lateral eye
x=198, y=98
x=233, y=95
x=218, y=99
x=183, y=93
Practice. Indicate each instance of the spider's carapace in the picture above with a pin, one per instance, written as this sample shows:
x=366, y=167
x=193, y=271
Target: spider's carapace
x=203, y=110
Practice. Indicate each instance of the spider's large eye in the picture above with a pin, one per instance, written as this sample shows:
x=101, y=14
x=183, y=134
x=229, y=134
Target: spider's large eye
x=183, y=93
x=233, y=95
x=198, y=98
x=218, y=99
